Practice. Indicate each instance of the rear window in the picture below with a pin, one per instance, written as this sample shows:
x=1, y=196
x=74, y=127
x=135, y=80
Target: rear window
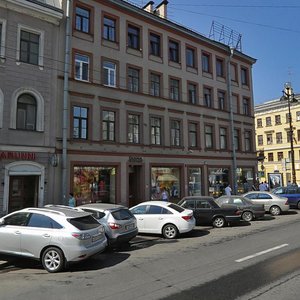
x=122, y=214
x=176, y=207
x=84, y=223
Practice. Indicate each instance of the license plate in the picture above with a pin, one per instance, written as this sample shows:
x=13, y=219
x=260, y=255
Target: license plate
x=128, y=227
x=96, y=238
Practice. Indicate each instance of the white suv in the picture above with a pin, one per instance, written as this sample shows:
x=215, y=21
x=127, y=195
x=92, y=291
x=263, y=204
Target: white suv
x=54, y=235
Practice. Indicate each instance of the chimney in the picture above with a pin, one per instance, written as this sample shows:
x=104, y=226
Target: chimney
x=149, y=7
x=161, y=9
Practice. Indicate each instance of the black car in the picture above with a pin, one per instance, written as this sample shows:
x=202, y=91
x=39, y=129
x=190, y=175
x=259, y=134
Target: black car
x=250, y=211
x=207, y=211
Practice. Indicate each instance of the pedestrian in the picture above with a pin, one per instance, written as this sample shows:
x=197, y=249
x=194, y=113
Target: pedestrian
x=262, y=187
x=266, y=186
x=228, y=190
x=71, y=200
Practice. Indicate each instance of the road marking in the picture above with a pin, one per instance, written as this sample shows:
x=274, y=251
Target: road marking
x=261, y=253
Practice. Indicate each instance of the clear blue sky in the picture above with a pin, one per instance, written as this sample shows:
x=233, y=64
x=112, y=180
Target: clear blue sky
x=270, y=32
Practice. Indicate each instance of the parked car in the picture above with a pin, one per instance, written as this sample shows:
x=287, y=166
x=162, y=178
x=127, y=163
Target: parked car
x=207, y=211
x=274, y=204
x=162, y=217
x=249, y=210
x=291, y=192
x=119, y=223
x=53, y=235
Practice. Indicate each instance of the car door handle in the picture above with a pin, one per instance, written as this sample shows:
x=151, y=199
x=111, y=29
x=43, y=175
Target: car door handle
x=17, y=232
x=141, y=219
x=46, y=235
x=160, y=218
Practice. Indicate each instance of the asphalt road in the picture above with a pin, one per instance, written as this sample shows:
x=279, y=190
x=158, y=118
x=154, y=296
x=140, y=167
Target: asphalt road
x=246, y=262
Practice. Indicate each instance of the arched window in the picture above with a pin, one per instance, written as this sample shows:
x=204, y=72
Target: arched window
x=26, y=112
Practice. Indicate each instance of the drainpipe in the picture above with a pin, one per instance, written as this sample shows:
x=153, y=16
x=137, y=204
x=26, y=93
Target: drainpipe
x=234, y=166
x=65, y=107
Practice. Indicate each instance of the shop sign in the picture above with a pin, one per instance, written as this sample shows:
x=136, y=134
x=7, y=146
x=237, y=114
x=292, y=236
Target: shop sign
x=135, y=159
x=17, y=155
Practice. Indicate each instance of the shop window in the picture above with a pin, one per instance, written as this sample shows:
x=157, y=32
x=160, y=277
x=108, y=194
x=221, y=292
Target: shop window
x=94, y=184
x=244, y=179
x=165, y=179
x=194, y=177
x=218, y=179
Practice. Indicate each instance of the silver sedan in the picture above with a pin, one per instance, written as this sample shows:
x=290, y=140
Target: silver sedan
x=273, y=204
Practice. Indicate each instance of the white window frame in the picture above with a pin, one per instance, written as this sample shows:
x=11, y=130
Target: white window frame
x=3, y=39
x=41, y=43
x=81, y=63
x=111, y=73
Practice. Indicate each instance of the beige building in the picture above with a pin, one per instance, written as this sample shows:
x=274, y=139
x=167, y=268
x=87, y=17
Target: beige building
x=149, y=107
x=273, y=141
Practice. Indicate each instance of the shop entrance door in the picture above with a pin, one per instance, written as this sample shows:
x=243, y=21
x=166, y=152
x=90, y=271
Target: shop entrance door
x=135, y=185
x=22, y=192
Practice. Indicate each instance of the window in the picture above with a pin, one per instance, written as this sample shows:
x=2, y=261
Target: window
x=18, y=219
x=220, y=67
x=82, y=19
x=155, y=48
x=268, y=121
x=209, y=137
x=270, y=157
x=133, y=37
x=155, y=132
x=190, y=57
x=287, y=118
x=244, y=76
x=269, y=139
x=133, y=80
x=155, y=84
x=223, y=138
x=174, y=89
x=259, y=122
x=298, y=135
x=41, y=221
x=133, y=128
x=108, y=125
x=207, y=95
x=175, y=133
x=236, y=138
x=279, y=137
x=29, y=47
x=193, y=134
x=26, y=112
x=205, y=62
x=277, y=120
x=2, y=37
x=246, y=107
x=192, y=93
x=279, y=156
x=173, y=51
x=109, y=73
x=248, y=143
x=260, y=140
x=221, y=100
x=288, y=136
x=80, y=122
x=82, y=63
x=298, y=115
x=109, y=29
x=233, y=72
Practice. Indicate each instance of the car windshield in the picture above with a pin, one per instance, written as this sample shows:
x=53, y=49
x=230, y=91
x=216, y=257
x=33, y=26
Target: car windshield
x=84, y=223
x=122, y=214
x=221, y=201
x=176, y=207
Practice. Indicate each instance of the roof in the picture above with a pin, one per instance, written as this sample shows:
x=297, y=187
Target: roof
x=102, y=206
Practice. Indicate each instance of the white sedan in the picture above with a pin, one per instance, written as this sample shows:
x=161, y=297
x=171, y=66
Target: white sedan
x=273, y=203
x=162, y=217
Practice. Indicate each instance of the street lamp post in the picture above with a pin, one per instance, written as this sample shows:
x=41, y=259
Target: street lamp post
x=289, y=96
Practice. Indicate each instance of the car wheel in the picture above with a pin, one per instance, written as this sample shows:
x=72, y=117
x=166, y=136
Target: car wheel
x=219, y=222
x=53, y=260
x=275, y=210
x=298, y=205
x=170, y=231
x=247, y=216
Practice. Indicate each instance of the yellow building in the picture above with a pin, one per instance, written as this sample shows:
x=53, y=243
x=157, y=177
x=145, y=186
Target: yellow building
x=273, y=142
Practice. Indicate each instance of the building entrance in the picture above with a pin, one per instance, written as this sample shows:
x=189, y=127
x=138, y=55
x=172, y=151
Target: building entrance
x=23, y=192
x=135, y=185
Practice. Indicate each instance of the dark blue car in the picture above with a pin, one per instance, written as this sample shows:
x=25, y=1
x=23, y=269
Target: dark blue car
x=291, y=192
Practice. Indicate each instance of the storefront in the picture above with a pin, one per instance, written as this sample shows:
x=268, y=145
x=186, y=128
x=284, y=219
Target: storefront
x=218, y=179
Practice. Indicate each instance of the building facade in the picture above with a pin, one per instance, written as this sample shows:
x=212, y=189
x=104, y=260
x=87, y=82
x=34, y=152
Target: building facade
x=149, y=107
x=29, y=32
x=273, y=141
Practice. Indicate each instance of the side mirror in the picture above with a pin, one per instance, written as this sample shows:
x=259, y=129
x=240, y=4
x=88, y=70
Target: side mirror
x=1, y=222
